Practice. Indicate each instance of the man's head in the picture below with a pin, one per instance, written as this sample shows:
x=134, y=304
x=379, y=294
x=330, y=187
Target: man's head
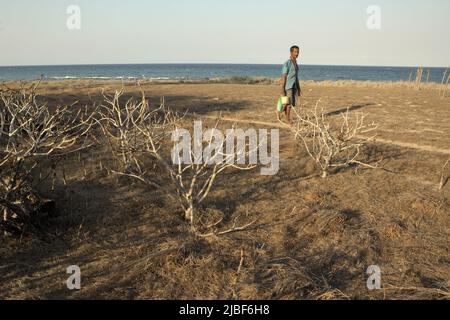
x=295, y=51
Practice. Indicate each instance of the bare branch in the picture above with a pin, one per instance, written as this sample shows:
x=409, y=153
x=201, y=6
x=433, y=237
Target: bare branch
x=332, y=144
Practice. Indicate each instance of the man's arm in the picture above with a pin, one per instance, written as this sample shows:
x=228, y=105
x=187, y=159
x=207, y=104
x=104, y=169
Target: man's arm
x=299, y=88
x=283, y=84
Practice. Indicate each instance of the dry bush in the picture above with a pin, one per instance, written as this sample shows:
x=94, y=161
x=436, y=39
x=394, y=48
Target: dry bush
x=30, y=133
x=332, y=145
x=140, y=137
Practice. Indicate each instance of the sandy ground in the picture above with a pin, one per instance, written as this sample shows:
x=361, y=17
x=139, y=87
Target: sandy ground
x=314, y=238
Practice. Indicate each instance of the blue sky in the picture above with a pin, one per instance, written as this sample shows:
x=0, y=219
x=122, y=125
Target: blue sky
x=413, y=32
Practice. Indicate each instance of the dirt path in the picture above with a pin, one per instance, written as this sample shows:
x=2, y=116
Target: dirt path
x=378, y=140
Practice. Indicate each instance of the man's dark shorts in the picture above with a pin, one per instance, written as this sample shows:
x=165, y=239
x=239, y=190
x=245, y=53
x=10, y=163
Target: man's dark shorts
x=292, y=94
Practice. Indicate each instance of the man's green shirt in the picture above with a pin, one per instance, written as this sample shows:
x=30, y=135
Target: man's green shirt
x=292, y=74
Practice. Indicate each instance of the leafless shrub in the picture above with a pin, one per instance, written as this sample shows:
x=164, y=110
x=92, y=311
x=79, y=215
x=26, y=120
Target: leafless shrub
x=140, y=136
x=29, y=134
x=332, y=145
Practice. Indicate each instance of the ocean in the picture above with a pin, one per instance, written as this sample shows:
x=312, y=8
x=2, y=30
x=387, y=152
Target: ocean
x=207, y=71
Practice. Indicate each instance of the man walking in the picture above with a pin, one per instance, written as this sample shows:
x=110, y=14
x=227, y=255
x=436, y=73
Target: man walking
x=290, y=85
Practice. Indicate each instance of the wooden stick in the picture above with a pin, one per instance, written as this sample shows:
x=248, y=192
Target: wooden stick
x=445, y=91
x=238, y=273
x=419, y=77
x=443, y=77
x=442, y=82
x=443, y=179
x=64, y=176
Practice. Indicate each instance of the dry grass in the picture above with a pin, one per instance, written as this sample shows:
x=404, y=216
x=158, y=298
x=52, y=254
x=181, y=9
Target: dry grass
x=314, y=238
x=380, y=84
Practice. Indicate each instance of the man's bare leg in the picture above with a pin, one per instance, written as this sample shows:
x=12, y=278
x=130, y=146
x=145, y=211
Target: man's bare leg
x=288, y=114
